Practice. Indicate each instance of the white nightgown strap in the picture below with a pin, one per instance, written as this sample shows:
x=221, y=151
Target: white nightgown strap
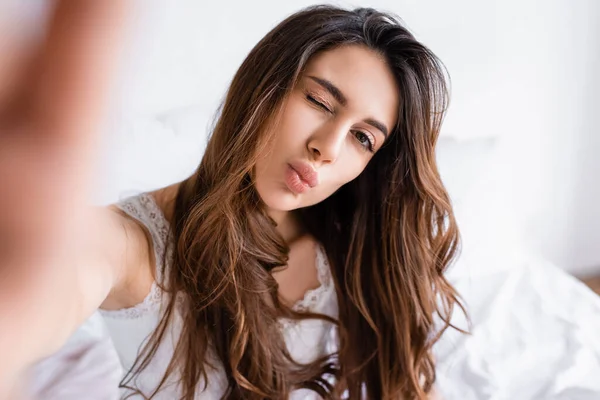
x=143, y=208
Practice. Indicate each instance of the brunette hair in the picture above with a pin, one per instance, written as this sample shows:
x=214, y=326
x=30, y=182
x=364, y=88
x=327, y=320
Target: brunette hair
x=389, y=234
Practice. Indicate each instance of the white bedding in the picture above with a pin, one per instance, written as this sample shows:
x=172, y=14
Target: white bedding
x=535, y=335
x=87, y=367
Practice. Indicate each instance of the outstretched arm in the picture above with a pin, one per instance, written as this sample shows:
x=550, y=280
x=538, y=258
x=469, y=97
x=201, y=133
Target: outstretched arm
x=53, y=264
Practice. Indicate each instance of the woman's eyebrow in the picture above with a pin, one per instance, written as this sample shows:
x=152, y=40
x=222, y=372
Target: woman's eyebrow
x=343, y=100
x=332, y=89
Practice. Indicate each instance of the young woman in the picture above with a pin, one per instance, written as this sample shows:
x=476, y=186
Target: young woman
x=305, y=255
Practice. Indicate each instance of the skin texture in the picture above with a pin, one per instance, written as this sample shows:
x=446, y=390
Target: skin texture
x=337, y=143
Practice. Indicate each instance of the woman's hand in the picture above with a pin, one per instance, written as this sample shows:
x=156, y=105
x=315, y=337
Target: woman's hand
x=52, y=99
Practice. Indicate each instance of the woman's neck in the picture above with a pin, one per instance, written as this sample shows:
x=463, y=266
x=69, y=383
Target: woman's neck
x=288, y=225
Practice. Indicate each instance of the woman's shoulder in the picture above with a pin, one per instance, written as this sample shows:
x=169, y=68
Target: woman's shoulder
x=135, y=273
x=144, y=222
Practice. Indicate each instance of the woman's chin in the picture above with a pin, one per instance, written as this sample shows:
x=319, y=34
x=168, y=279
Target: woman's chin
x=280, y=200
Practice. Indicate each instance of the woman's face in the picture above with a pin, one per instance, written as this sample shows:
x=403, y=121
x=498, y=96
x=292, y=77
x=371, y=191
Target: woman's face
x=333, y=123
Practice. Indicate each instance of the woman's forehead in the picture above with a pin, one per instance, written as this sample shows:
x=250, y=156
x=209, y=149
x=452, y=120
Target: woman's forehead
x=362, y=77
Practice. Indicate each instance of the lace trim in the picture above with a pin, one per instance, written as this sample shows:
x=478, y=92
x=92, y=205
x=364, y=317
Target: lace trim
x=313, y=296
x=151, y=302
x=144, y=208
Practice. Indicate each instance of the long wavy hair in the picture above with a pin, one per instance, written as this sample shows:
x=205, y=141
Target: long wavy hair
x=389, y=234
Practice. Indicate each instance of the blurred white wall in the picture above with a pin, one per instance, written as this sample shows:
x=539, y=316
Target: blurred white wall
x=523, y=71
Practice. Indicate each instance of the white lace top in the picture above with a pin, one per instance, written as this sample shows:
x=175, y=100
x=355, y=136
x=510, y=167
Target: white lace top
x=129, y=328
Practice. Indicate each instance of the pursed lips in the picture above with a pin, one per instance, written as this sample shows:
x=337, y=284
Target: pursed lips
x=306, y=172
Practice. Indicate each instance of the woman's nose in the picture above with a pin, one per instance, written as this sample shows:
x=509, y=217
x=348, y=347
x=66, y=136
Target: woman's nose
x=327, y=144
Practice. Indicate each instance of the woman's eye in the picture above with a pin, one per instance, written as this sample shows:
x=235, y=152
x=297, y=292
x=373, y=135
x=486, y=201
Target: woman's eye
x=317, y=103
x=364, y=140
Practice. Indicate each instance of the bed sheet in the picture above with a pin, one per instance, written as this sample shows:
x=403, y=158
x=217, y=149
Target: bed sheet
x=535, y=334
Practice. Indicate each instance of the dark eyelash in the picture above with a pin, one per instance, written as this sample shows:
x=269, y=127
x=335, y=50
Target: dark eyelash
x=370, y=146
x=317, y=103
x=321, y=105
